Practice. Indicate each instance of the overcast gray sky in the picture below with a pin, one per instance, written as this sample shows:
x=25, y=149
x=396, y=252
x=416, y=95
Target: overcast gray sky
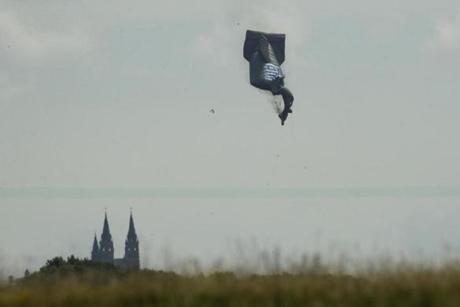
x=115, y=97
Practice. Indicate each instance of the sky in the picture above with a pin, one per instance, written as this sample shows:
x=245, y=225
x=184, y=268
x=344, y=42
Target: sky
x=107, y=107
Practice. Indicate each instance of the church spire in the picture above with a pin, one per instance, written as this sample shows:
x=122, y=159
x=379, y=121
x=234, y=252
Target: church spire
x=131, y=258
x=95, y=250
x=106, y=229
x=106, y=244
x=131, y=230
x=103, y=250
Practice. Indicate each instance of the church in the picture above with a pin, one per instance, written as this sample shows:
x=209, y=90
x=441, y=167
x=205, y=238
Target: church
x=104, y=252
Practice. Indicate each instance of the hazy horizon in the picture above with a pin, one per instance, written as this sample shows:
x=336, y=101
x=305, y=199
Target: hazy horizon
x=108, y=106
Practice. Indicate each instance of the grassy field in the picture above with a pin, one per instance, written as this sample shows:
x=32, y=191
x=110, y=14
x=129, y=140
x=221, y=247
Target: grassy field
x=398, y=286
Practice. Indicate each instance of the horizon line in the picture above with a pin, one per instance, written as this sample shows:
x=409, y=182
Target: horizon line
x=231, y=192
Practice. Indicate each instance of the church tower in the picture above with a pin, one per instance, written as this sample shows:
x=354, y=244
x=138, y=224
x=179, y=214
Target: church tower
x=106, y=244
x=131, y=258
x=95, y=250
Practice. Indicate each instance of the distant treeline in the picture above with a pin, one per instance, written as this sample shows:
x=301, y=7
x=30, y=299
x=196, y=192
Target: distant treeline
x=80, y=282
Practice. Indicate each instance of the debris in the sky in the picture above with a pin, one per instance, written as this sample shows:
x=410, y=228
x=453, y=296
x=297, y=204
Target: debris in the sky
x=212, y=111
x=265, y=53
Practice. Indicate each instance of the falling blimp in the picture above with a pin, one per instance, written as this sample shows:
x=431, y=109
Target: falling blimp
x=265, y=53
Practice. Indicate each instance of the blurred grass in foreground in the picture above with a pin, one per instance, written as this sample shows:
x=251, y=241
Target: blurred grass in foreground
x=398, y=285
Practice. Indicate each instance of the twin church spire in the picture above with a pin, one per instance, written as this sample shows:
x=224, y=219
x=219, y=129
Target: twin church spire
x=104, y=251
x=131, y=245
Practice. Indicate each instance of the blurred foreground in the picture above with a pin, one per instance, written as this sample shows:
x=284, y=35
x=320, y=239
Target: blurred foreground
x=77, y=282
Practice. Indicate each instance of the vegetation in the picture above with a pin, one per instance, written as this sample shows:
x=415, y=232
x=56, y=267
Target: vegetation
x=75, y=282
